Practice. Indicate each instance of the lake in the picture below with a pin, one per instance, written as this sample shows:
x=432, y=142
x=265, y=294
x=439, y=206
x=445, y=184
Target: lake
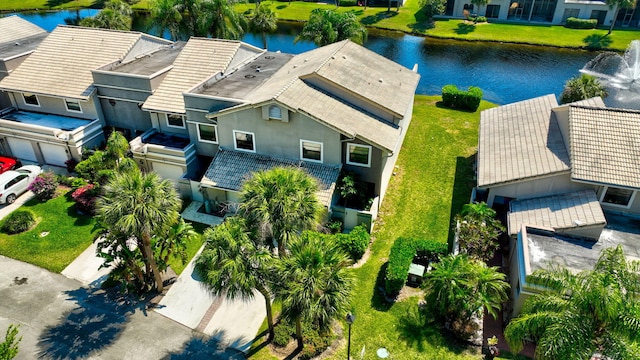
x=505, y=72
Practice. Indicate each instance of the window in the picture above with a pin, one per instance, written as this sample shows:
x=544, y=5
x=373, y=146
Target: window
x=617, y=196
x=244, y=141
x=570, y=13
x=176, y=121
x=311, y=150
x=275, y=112
x=492, y=11
x=72, y=105
x=359, y=155
x=31, y=99
x=207, y=133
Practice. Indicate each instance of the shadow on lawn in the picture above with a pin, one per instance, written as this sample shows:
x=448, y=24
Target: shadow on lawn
x=380, y=15
x=417, y=329
x=464, y=28
x=95, y=323
x=595, y=42
x=54, y=3
x=422, y=24
x=378, y=300
x=463, y=183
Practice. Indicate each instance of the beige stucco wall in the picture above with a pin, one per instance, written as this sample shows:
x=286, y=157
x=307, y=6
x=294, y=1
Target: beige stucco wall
x=56, y=105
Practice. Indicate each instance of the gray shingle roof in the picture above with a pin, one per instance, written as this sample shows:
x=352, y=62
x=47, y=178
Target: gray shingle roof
x=605, y=146
x=519, y=141
x=230, y=168
x=556, y=212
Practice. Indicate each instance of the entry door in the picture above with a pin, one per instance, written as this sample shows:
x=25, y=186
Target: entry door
x=54, y=154
x=22, y=149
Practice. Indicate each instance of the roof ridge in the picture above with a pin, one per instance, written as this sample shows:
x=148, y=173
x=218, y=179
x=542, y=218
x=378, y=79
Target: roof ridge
x=322, y=64
x=620, y=110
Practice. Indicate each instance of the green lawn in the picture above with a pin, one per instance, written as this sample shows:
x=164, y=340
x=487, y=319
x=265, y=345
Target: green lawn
x=69, y=235
x=192, y=248
x=433, y=180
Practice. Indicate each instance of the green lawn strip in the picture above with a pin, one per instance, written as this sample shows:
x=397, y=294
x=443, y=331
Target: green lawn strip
x=21, y=5
x=69, y=235
x=192, y=248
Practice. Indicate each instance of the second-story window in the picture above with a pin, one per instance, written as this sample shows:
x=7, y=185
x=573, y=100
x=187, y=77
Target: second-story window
x=244, y=141
x=176, y=121
x=207, y=133
x=72, y=105
x=358, y=154
x=31, y=99
x=311, y=150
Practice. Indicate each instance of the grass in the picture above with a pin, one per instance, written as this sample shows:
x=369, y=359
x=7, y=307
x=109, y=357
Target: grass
x=409, y=19
x=192, y=248
x=433, y=180
x=69, y=235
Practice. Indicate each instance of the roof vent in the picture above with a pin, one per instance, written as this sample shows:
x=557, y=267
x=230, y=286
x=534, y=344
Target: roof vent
x=380, y=80
x=249, y=76
x=269, y=57
x=17, y=43
x=344, y=57
x=258, y=69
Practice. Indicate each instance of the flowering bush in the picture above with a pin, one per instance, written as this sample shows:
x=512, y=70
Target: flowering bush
x=44, y=186
x=85, y=198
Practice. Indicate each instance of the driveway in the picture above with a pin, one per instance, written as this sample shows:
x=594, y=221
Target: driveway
x=59, y=318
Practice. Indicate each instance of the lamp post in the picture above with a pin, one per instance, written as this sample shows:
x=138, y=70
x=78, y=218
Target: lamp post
x=350, y=319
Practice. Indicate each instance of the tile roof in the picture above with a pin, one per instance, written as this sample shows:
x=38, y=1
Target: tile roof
x=230, y=168
x=200, y=59
x=556, y=212
x=15, y=28
x=605, y=146
x=62, y=64
x=519, y=141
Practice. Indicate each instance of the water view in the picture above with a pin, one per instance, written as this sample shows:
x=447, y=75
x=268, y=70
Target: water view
x=506, y=73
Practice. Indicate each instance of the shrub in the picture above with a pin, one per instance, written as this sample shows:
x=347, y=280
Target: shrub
x=575, y=23
x=348, y=2
x=315, y=341
x=71, y=165
x=334, y=226
x=354, y=243
x=401, y=256
x=85, y=198
x=44, y=186
x=480, y=19
x=282, y=334
x=454, y=98
x=18, y=221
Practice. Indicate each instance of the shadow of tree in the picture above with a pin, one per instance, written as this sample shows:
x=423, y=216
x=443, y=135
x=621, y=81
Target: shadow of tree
x=422, y=23
x=207, y=347
x=464, y=28
x=378, y=300
x=595, y=42
x=95, y=323
x=380, y=15
x=417, y=329
x=54, y=3
x=463, y=182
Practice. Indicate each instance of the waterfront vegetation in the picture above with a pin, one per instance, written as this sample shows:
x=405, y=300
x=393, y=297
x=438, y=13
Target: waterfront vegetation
x=411, y=19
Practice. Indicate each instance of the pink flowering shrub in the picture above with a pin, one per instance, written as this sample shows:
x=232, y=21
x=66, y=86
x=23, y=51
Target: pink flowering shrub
x=85, y=198
x=44, y=186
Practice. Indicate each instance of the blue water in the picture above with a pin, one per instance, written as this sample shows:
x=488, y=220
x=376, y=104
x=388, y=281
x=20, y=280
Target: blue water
x=506, y=73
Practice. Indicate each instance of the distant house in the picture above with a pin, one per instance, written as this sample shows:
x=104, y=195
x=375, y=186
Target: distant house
x=18, y=39
x=567, y=176
x=207, y=113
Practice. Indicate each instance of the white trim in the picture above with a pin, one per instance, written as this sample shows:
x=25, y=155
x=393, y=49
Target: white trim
x=215, y=131
x=253, y=140
x=604, y=193
x=368, y=164
x=166, y=118
x=24, y=100
x=302, y=141
x=66, y=105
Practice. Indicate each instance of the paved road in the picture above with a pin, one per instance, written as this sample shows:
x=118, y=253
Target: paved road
x=59, y=318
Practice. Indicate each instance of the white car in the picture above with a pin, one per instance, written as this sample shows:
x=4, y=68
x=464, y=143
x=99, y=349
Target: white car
x=14, y=183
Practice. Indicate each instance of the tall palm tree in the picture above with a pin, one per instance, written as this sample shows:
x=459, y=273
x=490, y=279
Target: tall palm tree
x=326, y=26
x=140, y=205
x=264, y=20
x=618, y=5
x=166, y=16
x=315, y=285
x=582, y=87
x=220, y=20
x=458, y=288
x=578, y=315
x=280, y=203
x=115, y=15
x=233, y=265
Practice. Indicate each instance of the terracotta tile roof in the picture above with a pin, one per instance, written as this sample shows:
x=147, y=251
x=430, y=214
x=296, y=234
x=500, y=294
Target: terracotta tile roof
x=556, y=212
x=605, y=146
x=62, y=64
x=520, y=141
x=230, y=168
x=15, y=28
x=200, y=59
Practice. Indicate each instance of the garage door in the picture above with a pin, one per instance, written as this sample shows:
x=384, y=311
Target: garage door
x=170, y=172
x=54, y=154
x=22, y=149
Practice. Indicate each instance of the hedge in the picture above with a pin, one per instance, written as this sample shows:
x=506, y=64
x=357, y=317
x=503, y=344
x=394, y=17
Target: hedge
x=401, y=256
x=354, y=243
x=454, y=98
x=575, y=23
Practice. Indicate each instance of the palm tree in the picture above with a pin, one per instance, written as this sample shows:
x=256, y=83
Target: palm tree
x=618, y=5
x=9, y=347
x=478, y=230
x=315, y=285
x=280, y=203
x=582, y=87
x=174, y=243
x=166, y=16
x=231, y=264
x=140, y=205
x=326, y=26
x=479, y=3
x=459, y=288
x=578, y=315
x=264, y=20
x=220, y=20
x=115, y=15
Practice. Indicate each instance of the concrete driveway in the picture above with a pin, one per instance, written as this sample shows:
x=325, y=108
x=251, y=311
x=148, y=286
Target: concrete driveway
x=59, y=318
